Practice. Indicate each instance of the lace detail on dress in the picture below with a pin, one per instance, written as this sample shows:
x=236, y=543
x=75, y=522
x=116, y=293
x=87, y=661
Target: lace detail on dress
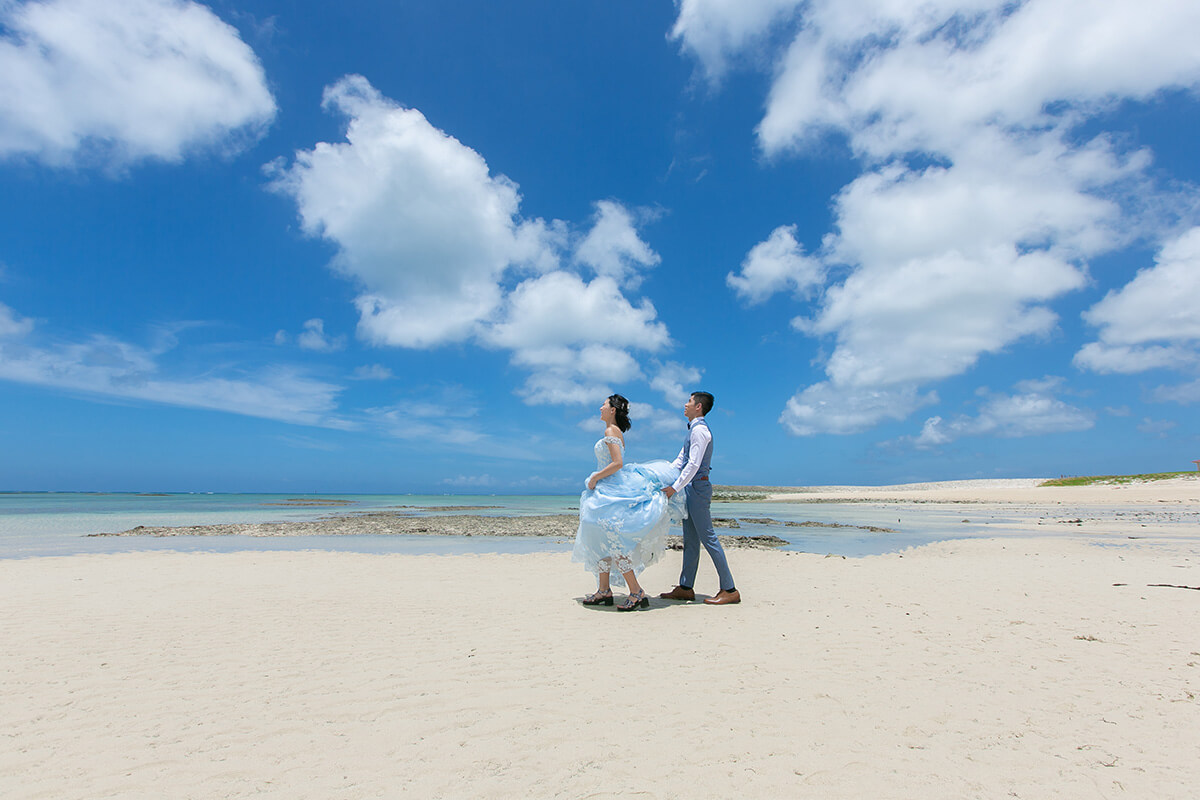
x=623, y=522
x=616, y=564
x=603, y=457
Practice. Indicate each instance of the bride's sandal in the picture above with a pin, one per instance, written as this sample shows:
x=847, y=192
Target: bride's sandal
x=635, y=601
x=599, y=599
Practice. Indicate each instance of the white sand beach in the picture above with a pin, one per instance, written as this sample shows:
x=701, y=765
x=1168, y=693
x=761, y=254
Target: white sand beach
x=1064, y=667
x=1026, y=491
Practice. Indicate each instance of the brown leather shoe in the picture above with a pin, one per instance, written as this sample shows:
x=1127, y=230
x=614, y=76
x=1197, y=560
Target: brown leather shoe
x=724, y=598
x=679, y=593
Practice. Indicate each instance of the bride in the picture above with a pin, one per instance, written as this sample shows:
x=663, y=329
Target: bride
x=623, y=513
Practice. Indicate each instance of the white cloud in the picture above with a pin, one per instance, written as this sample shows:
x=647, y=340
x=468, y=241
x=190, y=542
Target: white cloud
x=448, y=416
x=932, y=318
x=646, y=417
x=775, y=265
x=613, y=247
x=484, y=481
x=562, y=309
x=575, y=336
x=111, y=368
x=125, y=81
x=716, y=30
x=1184, y=394
x=902, y=77
x=607, y=364
x=574, y=375
x=955, y=262
x=980, y=204
x=373, y=372
x=1031, y=193
x=1152, y=322
x=676, y=382
x=934, y=434
x=11, y=326
x=418, y=220
x=563, y=387
x=314, y=338
x=828, y=408
x=436, y=242
x=429, y=423
x=1158, y=428
x=1126, y=359
x=1035, y=411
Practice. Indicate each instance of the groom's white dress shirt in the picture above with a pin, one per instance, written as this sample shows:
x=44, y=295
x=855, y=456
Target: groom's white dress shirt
x=699, y=437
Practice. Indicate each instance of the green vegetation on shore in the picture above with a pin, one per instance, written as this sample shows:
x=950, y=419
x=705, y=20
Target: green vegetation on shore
x=1104, y=480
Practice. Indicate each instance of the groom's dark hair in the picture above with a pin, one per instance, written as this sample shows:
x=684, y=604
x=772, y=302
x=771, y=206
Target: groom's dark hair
x=704, y=399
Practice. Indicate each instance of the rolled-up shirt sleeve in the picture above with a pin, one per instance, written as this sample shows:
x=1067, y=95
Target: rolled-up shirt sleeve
x=698, y=441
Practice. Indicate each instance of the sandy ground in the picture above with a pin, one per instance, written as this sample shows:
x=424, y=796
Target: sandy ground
x=1026, y=491
x=970, y=669
x=1018, y=667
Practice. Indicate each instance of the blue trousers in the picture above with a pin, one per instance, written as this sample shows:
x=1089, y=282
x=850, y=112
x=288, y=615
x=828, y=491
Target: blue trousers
x=698, y=530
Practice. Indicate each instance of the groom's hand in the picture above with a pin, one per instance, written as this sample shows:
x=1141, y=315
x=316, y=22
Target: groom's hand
x=669, y=491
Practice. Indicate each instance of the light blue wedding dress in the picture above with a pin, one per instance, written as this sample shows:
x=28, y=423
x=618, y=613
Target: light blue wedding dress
x=623, y=522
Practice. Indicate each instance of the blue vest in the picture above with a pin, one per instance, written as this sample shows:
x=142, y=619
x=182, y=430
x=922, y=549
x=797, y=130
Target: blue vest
x=706, y=459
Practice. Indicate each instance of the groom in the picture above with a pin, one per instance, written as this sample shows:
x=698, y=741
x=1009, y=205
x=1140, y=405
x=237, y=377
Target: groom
x=694, y=462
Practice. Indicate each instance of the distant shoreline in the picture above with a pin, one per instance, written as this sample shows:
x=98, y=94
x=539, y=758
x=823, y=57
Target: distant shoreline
x=1182, y=490
x=1110, y=509
x=953, y=490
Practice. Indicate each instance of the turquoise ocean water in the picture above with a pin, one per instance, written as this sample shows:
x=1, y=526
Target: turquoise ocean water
x=53, y=524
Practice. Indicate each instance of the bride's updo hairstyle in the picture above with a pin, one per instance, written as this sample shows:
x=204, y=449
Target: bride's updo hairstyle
x=621, y=406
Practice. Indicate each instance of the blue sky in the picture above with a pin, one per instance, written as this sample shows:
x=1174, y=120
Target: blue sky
x=394, y=247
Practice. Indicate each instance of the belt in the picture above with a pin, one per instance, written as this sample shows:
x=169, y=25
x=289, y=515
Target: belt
x=700, y=478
